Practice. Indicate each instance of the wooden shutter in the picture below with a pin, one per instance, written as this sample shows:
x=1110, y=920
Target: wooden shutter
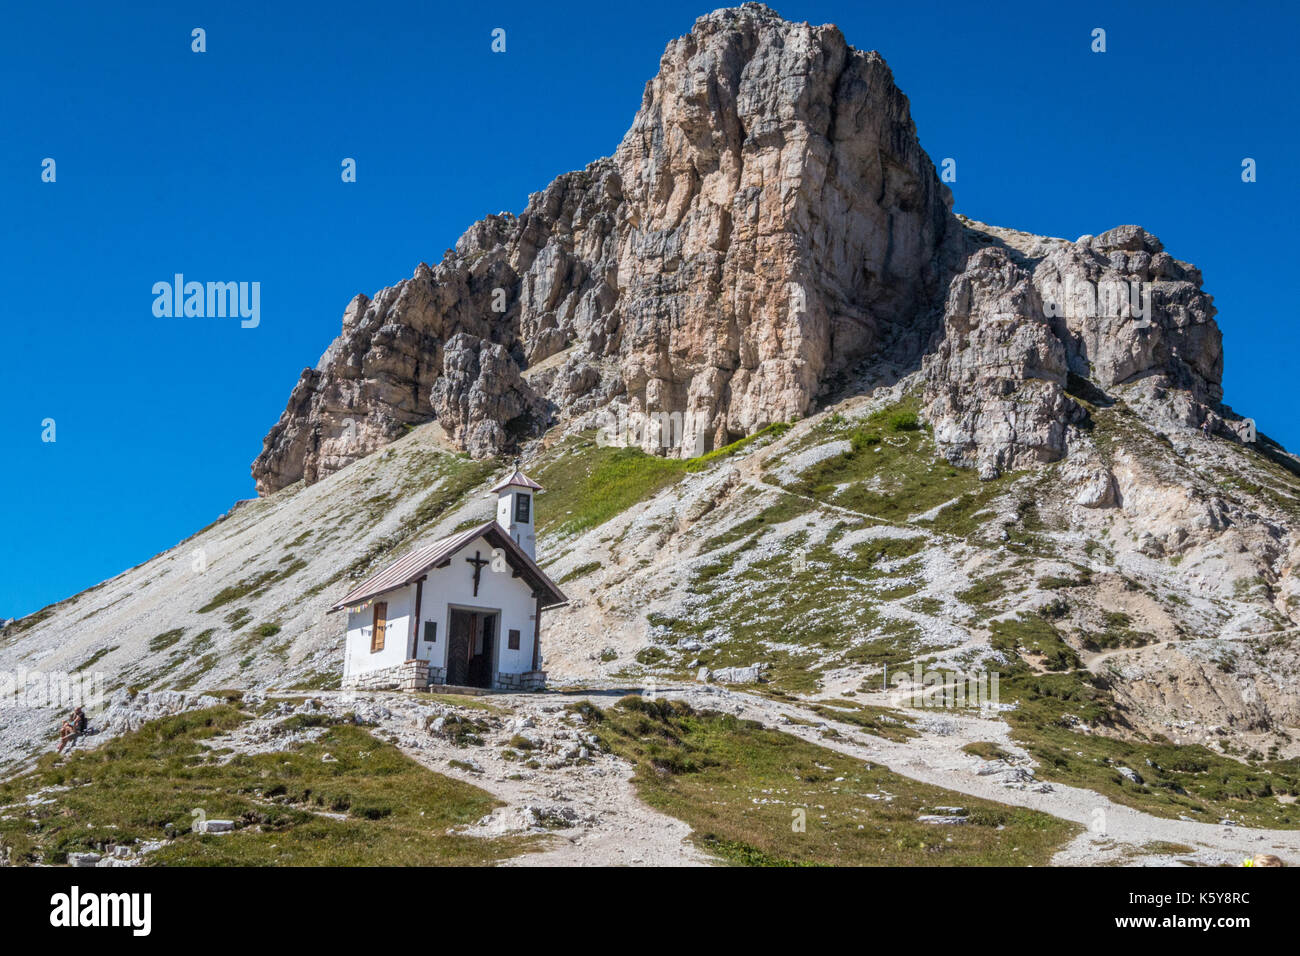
x=381, y=621
x=514, y=639
x=431, y=631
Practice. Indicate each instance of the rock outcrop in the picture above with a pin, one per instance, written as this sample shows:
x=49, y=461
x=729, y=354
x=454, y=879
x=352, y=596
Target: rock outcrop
x=1030, y=320
x=995, y=387
x=481, y=395
x=769, y=219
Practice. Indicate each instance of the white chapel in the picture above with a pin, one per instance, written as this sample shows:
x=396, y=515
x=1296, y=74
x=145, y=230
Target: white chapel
x=465, y=610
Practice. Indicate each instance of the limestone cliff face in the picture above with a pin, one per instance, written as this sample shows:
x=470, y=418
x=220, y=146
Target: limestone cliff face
x=768, y=222
x=783, y=222
x=769, y=218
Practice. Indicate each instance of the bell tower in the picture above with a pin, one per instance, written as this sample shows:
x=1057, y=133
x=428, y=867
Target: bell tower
x=515, y=510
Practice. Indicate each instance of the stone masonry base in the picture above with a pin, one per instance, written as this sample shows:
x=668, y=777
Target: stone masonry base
x=418, y=675
x=529, y=680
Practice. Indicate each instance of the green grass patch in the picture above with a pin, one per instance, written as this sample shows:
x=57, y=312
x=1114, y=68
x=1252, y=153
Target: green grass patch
x=145, y=784
x=786, y=508
x=581, y=570
x=650, y=655
x=881, y=721
x=772, y=432
x=1031, y=634
x=94, y=658
x=743, y=789
x=1190, y=781
x=253, y=585
x=166, y=639
x=589, y=484
x=238, y=618
x=986, y=750
x=890, y=471
x=986, y=590
x=1057, y=582
x=1117, y=631
x=459, y=477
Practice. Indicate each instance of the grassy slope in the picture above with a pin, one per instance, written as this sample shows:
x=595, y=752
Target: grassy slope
x=739, y=785
x=818, y=596
x=395, y=811
x=890, y=471
x=1188, y=781
x=822, y=605
x=588, y=483
x=829, y=601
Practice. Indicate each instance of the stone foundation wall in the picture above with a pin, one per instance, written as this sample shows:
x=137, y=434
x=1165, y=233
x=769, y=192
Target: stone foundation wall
x=418, y=675
x=529, y=680
x=408, y=675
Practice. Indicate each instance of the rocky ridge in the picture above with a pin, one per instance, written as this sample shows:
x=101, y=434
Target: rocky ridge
x=1030, y=319
x=769, y=223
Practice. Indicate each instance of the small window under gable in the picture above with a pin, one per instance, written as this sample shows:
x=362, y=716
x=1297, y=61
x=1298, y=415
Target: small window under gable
x=522, y=507
x=431, y=632
x=514, y=639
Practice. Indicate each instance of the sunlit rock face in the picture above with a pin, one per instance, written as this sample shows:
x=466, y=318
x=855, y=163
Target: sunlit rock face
x=768, y=223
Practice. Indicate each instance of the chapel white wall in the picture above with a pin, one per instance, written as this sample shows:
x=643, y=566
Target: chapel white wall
x=498, y=590
x=358, y=658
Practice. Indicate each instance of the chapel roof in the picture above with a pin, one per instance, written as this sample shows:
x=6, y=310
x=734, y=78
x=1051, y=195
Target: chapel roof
x=415, y=564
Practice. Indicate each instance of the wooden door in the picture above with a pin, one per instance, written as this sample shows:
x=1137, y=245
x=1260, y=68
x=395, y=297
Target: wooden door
x=381, y=623
x=458, y=647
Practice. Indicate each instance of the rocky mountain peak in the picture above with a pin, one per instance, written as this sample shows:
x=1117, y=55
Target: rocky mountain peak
x=769, y=218
x=768, y=223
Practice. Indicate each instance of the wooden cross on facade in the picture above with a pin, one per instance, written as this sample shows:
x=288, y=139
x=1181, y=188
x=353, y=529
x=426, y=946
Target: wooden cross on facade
x=478, y=569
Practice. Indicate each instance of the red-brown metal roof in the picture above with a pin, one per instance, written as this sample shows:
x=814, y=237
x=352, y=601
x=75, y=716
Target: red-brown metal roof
x=412, y=566
x=521, y=480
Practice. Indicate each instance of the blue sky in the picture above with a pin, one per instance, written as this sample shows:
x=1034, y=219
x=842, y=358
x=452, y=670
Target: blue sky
x=225, y=166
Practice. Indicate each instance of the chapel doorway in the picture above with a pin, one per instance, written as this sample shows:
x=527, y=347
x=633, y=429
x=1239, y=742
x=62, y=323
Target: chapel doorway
x=470, y=647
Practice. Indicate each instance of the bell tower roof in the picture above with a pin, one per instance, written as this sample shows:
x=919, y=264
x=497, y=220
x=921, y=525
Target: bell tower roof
x=518, y=479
